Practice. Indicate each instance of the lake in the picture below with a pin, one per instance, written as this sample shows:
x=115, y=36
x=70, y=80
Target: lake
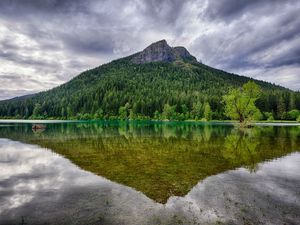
x=149, y=173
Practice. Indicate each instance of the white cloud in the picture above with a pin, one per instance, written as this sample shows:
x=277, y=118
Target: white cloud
x=51, y=43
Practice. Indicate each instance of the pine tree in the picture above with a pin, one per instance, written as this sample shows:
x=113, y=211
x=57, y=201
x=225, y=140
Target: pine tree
x=281, y=108
x=37, y=111
x=292, y=102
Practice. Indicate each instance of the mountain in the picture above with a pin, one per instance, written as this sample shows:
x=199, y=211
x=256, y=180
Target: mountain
x=161, y=52
x=160, y=82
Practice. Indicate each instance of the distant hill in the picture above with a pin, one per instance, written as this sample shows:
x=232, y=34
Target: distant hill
x=20, y=97
x=160, y=82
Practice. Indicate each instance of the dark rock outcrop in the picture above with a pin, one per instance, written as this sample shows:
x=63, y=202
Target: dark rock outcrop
x=182, y=53
x=161, y=51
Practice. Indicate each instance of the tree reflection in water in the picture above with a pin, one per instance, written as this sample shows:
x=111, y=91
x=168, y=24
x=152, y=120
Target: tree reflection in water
x=160, y=159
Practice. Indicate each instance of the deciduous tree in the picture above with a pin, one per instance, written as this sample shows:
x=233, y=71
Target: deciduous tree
x=240, y=102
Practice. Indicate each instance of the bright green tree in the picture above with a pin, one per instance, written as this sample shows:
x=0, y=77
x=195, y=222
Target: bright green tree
x=123, y=113
x=269, y=116
x=156, y=115
x=293, y=114
x=169, y=112
x=197, y=111
x=240, y=102
x=131, y=114
x=207, y=112
x=98, y=114
x=37, y=111
x=185, y=111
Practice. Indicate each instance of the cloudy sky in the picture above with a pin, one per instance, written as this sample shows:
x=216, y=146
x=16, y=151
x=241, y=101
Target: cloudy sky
x=44, y=43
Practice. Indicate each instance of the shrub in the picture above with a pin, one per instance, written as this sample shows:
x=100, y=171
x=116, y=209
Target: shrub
x=293, y=114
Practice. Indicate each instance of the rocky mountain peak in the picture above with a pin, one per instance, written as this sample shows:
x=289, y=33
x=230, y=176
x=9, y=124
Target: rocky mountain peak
x=161, y=51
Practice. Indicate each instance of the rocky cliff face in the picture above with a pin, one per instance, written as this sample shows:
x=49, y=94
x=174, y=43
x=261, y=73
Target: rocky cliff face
x=161, y=51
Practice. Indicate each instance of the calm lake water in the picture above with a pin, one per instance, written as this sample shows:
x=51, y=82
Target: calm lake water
x=149, y=173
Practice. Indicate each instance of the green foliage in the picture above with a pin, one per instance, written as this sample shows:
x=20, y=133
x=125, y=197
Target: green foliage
x=184, y=112
x=207, y=112
x=257, y=115
x=268, y=116
x=292, y=101
x=197, y=111
x=240, y=102
x=123, y=90
x=293, y=114
x=123, y=113
x=69, y=111
x=85, y=116
x=37, y=111
x=169, y=112
x=281, y=110
x=98, y=114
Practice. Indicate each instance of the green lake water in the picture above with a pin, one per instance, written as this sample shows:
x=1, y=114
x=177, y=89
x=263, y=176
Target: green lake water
x=159, y=163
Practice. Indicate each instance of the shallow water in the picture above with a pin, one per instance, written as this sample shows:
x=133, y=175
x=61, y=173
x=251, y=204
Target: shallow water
x=149, y=173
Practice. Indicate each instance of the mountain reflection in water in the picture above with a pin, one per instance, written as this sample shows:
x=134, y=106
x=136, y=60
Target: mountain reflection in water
x=160, y=160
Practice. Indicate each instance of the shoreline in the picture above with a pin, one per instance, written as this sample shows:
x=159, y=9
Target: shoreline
x=212, y=122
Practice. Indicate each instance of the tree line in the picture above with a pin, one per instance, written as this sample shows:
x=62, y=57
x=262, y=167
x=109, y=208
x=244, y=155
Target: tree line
x=162, y=91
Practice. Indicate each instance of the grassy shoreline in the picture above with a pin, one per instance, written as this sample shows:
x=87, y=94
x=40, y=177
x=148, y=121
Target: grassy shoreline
x=54, y=120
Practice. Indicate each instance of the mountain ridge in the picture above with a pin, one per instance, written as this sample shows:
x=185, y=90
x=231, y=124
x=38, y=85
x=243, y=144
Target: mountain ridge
x=160, y=82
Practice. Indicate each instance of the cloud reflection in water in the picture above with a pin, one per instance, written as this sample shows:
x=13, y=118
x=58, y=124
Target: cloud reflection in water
x=44, y=187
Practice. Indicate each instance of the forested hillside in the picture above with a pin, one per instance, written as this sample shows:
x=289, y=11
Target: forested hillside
x=179, y=89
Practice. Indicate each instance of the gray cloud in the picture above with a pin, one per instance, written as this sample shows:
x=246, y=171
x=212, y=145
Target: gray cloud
x=227, y=10
x=92, y=42
x=26, y=60
x=51, y=41
x=252, y=38
x=168, y=11
x=6, y=94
